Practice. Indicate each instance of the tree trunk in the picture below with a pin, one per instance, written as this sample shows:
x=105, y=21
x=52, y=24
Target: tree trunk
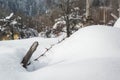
x=67, y=18
x=68, y=26
x=119, y=7
x=29, y=54
x=104, y=15
x=12, y=35
x=87, y=8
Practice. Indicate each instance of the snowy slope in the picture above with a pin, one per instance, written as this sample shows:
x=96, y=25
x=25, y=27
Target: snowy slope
x=117, y=23
x=92, y=53
x=90, y=42
x=12, y=52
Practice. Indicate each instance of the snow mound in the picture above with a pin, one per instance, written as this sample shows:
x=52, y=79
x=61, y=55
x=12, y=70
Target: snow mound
x=10, y=68
x=92, y=53
x=90, y=42
x=12, y=53
x=117, y=23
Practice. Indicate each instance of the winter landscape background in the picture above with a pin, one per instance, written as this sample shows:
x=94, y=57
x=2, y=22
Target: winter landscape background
x=59, y=39
x=51, y=17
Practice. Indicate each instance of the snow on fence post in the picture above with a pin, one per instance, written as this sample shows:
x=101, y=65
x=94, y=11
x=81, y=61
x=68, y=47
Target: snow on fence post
x=29, y=54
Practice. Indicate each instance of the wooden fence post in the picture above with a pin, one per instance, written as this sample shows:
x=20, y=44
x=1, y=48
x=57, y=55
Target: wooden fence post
x=29, y=54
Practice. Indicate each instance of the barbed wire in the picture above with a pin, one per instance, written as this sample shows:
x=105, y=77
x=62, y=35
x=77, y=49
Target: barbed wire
x=48, y=49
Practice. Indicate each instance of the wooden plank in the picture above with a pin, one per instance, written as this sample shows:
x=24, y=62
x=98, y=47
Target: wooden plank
x=29, y=54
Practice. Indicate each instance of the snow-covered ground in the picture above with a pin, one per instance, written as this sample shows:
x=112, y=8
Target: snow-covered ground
x=92, y=53
x=117, y=23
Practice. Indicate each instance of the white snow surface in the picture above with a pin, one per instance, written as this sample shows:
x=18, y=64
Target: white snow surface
x=117, y=23
x=8, y=17
x=13, y=22
x=92, y=53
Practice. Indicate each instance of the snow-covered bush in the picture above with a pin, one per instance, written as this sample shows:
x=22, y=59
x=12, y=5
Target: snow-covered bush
x=74, y=21
x=13, y=28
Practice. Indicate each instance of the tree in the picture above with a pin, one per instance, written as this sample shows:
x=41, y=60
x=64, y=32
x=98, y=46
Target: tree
x=13, y=27
x=66, y=8
x=87, y=8
x=8, y=25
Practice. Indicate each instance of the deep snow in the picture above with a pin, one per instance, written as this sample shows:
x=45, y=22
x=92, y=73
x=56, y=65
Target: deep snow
x=117, y=23
x=92, y=53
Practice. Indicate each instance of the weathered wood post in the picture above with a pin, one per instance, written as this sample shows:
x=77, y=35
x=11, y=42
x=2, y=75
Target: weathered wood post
x=29, y=54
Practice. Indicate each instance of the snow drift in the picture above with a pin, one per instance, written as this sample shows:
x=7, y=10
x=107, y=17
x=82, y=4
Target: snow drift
x=92, y=53
x=117, y=23
x=90, y=42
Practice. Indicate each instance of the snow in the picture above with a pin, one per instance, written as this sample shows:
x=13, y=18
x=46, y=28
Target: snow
x=92, y=53
x=8, y=17
x=97, y=41
x=13, y=22
x=58, y=23
x=117, y=23
x=76, y=8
